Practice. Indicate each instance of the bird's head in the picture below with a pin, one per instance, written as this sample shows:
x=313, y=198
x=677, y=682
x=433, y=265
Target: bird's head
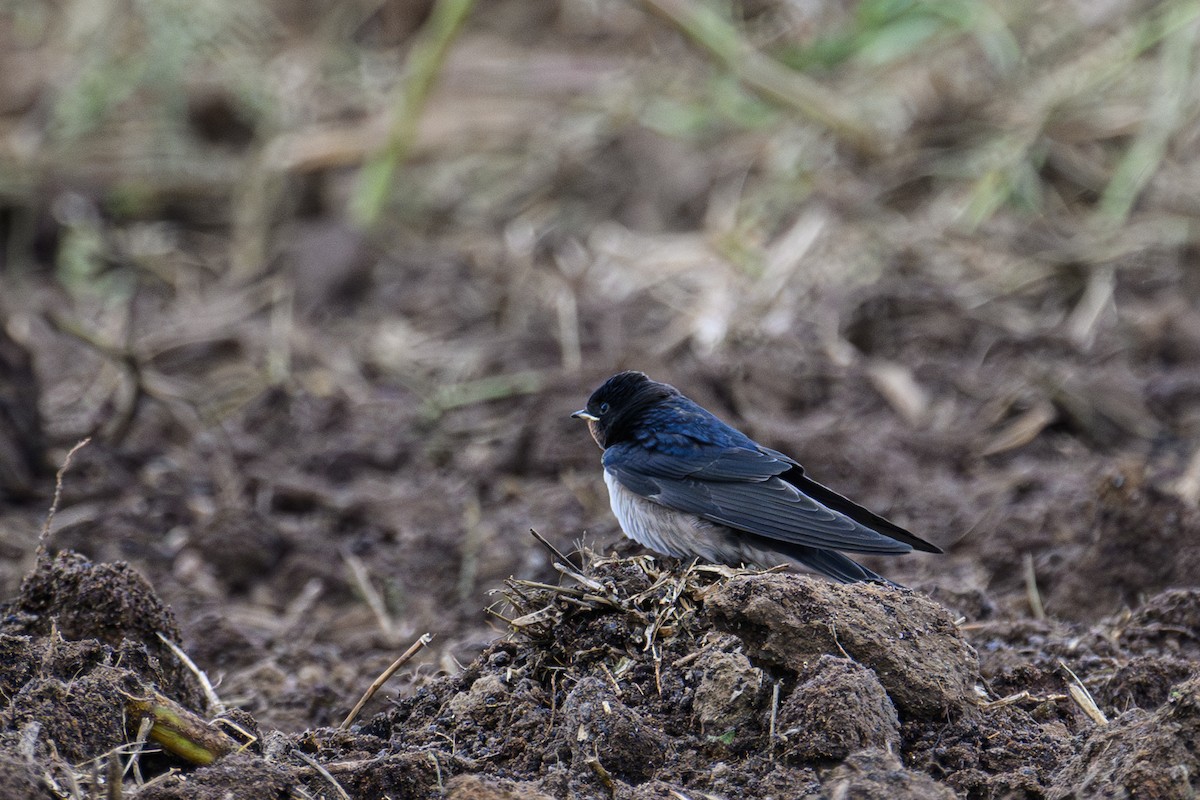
x=616, y=406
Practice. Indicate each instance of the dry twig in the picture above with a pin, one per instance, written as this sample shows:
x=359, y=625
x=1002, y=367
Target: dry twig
x=214, y=702
x=404, y=658
x=374, y=600
x=44, y=537
x=1031, y=589
x=320, y=770
x=1083, y=698
x=554, y=551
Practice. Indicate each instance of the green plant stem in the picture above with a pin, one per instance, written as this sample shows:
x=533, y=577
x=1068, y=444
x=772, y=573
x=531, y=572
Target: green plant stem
x=178, y=730
x=421, y=70
x=1141, y=161
x=768, y=77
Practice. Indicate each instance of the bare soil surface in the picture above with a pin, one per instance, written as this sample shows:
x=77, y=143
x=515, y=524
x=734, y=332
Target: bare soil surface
x=311, y=444
x=637, y=679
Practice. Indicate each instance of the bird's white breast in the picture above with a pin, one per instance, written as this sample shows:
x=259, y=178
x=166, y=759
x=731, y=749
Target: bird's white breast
x=667, y=531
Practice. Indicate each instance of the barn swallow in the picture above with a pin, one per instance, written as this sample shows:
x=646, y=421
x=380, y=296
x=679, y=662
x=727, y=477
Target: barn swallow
x=683, y=483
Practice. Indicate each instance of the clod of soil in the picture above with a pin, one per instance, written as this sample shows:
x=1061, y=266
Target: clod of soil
x=1145, y=682
x=730, y=691
x=20, y=778
x=79, y=718
x=911, y=643
x=838, y=708
x=112, y=611
x=237, y=775
x=997, y=752
x=83, y=600
x=477, y=787
x=605, y=735
x=1165, y=624
x=241, y=546
x=878, y=773
x=1151, y=756
x=1144, y=540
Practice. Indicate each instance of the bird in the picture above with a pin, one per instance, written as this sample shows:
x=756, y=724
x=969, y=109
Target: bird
x=685, y=484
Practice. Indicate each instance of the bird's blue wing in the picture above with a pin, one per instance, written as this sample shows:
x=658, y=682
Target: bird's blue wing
x=740, y=487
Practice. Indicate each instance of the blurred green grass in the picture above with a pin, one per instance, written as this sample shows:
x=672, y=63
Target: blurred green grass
x=947, y=114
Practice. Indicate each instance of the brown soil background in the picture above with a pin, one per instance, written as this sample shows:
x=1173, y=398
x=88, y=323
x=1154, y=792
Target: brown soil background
x=972, y=307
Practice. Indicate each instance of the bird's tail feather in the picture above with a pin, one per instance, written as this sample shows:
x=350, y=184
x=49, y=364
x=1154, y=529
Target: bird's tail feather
x=835, y=565
x=868, y=519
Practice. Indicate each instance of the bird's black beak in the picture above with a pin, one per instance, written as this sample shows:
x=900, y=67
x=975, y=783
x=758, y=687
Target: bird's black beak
x=583, y=413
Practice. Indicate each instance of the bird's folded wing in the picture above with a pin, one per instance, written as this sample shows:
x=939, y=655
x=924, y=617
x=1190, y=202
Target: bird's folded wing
x=741, y=488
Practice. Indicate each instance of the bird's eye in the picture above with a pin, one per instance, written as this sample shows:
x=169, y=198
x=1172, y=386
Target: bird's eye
x=604, y=408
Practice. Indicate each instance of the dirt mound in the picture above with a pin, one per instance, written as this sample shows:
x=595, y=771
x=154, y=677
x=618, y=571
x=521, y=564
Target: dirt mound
x=73, y=615
x=85, y=661
x=909, y=642
x=641, y=679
